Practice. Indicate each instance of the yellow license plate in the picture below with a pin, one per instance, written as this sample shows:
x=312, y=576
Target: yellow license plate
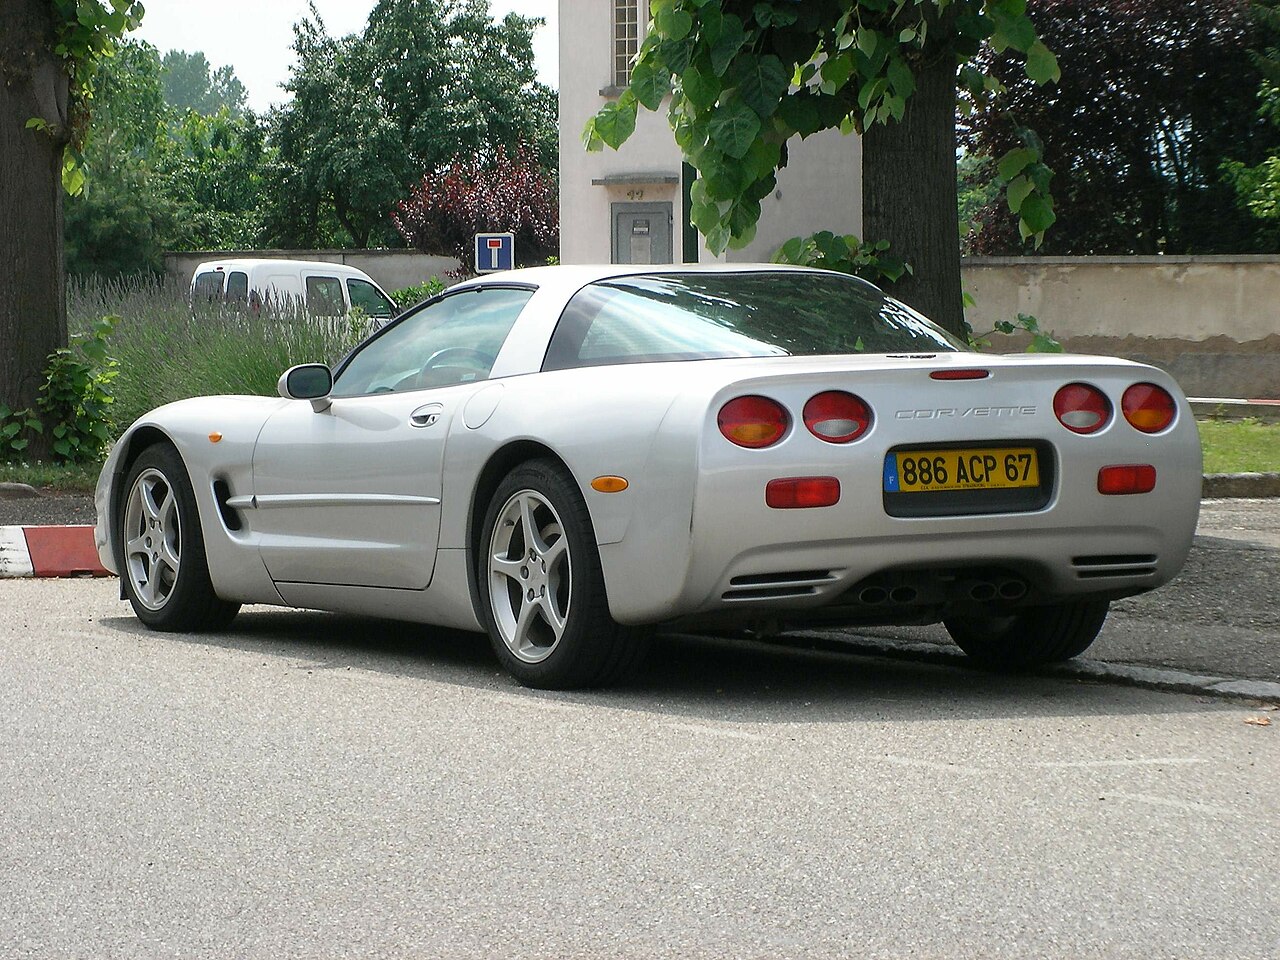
x=924, y=471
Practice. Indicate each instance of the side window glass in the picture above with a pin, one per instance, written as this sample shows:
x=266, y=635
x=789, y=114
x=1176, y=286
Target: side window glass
x=369, y=299
x=237, y=289
x=207, y=288
x=324, y=297
x=452, y=340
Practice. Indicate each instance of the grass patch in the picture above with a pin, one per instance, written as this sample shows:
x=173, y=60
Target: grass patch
x=1240, y=446
x=167, y=354
x=59, y=477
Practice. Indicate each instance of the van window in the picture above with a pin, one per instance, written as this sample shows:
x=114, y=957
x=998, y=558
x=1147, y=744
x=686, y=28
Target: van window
x=370, y=299
x=237, y=288
x=324, y=297
x=207, y=287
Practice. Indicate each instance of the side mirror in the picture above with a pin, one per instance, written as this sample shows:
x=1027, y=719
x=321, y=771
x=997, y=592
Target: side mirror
x=307, y=381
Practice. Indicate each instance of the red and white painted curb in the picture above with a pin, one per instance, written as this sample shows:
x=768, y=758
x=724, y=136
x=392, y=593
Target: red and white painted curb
x=63, y=551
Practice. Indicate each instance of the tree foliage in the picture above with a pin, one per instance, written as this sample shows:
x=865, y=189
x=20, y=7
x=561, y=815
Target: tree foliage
x=745, y=78
x=471, y=195
x=1153, y=97
x=163, y=177
x=425, y=81
x=191, y=84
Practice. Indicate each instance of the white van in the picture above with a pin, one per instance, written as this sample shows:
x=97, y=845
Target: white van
x=321, y=289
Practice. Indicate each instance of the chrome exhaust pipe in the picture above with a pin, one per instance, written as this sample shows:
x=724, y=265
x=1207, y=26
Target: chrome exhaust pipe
x=903, y=594
x=982, y=591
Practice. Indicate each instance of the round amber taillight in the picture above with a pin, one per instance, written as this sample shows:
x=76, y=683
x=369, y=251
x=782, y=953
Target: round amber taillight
x=1148, y=408
x=753, y=421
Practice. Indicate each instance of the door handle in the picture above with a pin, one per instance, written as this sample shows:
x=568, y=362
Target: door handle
x=426, y=415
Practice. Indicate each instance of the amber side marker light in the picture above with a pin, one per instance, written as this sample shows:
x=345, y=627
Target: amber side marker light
x=609, y=484
x=1127, y=478
x=215, y=437
x=793, y=493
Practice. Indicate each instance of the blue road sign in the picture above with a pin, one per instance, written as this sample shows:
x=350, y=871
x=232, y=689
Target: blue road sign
x=495, y=251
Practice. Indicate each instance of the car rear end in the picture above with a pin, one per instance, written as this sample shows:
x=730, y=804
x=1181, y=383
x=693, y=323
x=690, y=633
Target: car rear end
x=895, y=489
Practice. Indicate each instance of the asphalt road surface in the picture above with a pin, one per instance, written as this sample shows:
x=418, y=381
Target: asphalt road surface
x=311, y=785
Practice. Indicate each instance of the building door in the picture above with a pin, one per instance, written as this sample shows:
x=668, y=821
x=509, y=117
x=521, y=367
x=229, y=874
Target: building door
x=642, y=232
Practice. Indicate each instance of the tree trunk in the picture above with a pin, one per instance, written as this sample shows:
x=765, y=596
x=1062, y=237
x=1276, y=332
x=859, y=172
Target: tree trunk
x=33, y=313
x=909, y=194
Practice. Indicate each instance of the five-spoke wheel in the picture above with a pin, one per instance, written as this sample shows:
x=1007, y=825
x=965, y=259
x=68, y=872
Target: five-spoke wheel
x=163, y=565
x=542, y=589
x=153, y=539
x=530, y=576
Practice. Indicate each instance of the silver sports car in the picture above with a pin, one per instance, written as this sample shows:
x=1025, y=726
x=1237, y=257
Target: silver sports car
x=567, y=456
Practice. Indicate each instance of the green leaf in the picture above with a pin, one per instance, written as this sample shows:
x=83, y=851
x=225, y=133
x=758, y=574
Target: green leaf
x=800, y=113
x=763, y=84
x=672, y=24
x=1042, y=65
x=1015, y=161
x=733, y=127
x=615, y=123
x=836, y=72
x=901, y=78
x=1036, y=214
x=718, y=238
x=699, y=89
x=650, y=84
x=1018, y=190
x=726, y=46
x=1016, y=32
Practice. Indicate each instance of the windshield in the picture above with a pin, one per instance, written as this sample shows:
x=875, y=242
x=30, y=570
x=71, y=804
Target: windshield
x=704, y=316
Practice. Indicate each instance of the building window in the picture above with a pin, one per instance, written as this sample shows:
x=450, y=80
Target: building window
x=626, y=39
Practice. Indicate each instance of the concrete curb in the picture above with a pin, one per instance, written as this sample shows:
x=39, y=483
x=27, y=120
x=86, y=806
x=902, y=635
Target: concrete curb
x=1221, y=486
x=64, y=551
x=1150, y=678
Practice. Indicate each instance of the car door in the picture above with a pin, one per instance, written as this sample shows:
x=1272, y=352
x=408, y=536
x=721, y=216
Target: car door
x=352, y=494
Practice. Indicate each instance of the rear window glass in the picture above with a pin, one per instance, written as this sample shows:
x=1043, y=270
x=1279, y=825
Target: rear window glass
x=207, y=287
x=702, y=316
x=237, y=287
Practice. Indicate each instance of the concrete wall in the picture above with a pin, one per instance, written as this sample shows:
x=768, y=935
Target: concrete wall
x=390, y=269
x=1213, y=322
x=820, y=189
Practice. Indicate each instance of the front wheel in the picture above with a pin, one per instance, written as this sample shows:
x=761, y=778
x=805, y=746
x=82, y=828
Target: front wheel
x=1031, y=637
x=542, y=589
x=164, y=570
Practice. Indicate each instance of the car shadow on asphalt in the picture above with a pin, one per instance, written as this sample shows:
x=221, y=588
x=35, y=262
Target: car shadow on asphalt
x=789, y=680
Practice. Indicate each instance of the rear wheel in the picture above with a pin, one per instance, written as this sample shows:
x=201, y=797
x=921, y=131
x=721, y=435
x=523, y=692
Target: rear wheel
x=542, y=589
x=164, y=570
x=1030, y=637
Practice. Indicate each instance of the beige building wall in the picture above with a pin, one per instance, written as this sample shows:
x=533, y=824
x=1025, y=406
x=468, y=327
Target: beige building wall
x=820, y=189
x=1213, y=322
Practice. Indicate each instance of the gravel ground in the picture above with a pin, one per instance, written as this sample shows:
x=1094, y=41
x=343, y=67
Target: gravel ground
x=58, y=508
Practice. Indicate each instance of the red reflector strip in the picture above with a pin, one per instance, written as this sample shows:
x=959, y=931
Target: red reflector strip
x=959, y=374
x=1127, y=478
x=791, y=493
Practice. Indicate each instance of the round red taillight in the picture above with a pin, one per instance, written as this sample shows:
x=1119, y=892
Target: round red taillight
x=753, y=421
x=836, y=416
x=1082, y=408
x=1148, y=408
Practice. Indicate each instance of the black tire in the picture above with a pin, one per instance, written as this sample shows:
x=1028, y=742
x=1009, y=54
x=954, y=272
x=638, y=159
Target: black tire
x=1031, y=637
x=162, y=560
x=543, y=601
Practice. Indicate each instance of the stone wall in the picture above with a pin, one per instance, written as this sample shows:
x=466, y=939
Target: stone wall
x=1213, y=322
